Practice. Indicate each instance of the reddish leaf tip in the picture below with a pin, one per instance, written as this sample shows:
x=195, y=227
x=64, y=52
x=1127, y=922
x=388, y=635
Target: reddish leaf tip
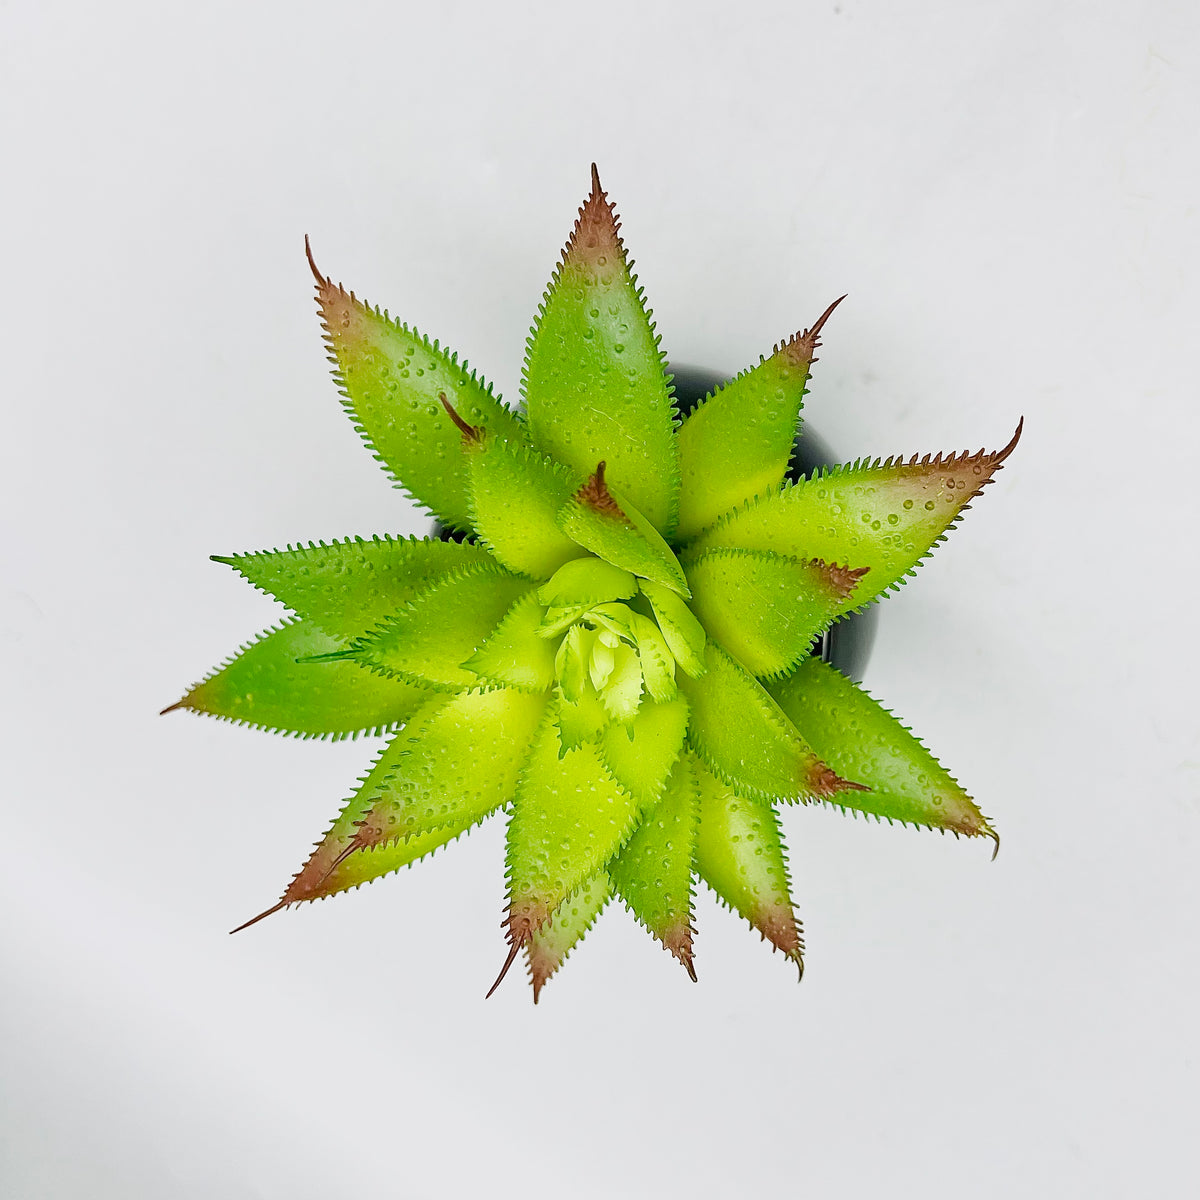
x=595, y=240
x=776, y=922
x=678, y=941
x=824, y=782
x=595, y=495
x=162, y=712
x=312, y=264
x=804, y=345
x=842, y=580
x=472, y=434
x=514, y=950
x=1001, y=455
x=541, y=967
x=255, y=920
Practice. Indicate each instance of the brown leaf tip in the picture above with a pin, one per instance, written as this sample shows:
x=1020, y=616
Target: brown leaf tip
x=841, y=580
x=513, y=951
x=322, y=281
x=983, y=464
x=525, y=917
x=777, y=924
x=824, y=782
x=341, y=311
x=595, y=240
x=596, y=496
x=472, y=434
x=801, y=348
x=678, y=940
x=542, y=964
x=1001, y=455
x=262, y=915
x=374, y=829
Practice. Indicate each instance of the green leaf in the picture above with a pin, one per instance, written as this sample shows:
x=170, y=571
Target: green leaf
x=658, y=663
x=559, y=620
x=516, y=495
x=391, y=377
x=580, y=720
x=883, y=516
x=264, y=686
x=594, y=383
x=612, y=528
x=568, y=820
x=349, y=587
x=456, y=761
x=766, y=609
x=684, y=635
x=337, y=863
x=621, y=692
x=640, y=754
x=737, y=443
x=432, y=637
x=740, y=855
x=548, y=947
x=858, y=737
x=653, y=873
x=741, y=735
x=584, y=582
x=515, y=654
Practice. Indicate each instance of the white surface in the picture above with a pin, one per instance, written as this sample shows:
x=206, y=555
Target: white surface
x=1008, y=193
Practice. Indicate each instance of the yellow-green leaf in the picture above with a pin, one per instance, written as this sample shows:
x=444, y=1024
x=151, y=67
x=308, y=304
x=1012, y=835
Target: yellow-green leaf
x=432, y=637
x=735, y=445
x=594, y=383
x=766, y=609
x=859, y=738
x=264, y=686
x=653, y=873
x=392, y=377
x=743, y=736
x=740, y=855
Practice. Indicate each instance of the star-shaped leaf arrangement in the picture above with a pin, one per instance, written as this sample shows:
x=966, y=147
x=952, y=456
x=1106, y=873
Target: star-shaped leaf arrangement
x=618, y=654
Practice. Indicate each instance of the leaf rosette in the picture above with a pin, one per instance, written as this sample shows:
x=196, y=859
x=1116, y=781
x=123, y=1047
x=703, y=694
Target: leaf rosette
x=618, y=654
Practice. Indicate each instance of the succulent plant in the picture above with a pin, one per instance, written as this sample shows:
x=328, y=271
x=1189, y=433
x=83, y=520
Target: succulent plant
x=618, y=651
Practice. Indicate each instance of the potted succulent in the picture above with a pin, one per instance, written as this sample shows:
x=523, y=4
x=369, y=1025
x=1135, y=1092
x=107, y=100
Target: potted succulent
x=618, y=654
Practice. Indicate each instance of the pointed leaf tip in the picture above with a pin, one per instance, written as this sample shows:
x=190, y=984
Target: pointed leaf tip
x=842, y=579
x=514, y=950
x=685, y=957
x=1001, y=455
x=261, y=916
x=472, y=434
x=824, y=782
x=595, y=495
x=596, y=234
x=312, y=265
x=594, y=325
x=804, y=345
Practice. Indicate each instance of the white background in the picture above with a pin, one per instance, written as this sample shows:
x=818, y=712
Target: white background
x=1008, y=194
